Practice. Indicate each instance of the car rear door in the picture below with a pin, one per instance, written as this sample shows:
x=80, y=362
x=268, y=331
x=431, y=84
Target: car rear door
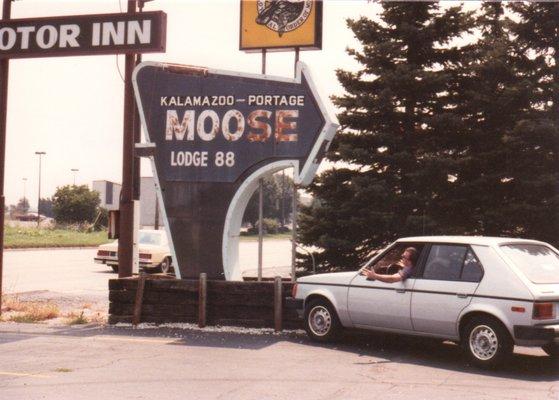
x=444, y=287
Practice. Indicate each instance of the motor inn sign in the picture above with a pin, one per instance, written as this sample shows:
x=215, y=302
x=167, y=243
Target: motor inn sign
x=83, y=35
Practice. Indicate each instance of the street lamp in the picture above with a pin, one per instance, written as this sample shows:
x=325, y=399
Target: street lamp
x=24, y=187
x=74, y=170
x=40, y=154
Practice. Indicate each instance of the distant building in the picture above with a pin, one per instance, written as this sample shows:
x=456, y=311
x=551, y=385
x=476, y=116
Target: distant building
x=148, y=202
x=109, y=193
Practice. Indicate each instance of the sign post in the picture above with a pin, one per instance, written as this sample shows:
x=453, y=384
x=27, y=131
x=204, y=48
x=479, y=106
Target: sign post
x=216, y=133
x=4, y=72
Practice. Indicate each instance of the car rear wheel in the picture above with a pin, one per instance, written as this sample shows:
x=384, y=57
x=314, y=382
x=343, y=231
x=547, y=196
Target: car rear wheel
x=487, y=342
x=552, y=349
x=165, y=266
x=321, y=321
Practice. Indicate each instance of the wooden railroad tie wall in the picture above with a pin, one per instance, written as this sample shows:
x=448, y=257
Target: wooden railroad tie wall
x=249, y=304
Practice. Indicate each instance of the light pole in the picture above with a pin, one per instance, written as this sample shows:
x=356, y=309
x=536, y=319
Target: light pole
x=24, y=187
x=74, y=170
x=40, y=154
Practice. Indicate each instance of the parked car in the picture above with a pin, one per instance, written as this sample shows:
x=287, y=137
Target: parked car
x=154, y=252
x=486, y=293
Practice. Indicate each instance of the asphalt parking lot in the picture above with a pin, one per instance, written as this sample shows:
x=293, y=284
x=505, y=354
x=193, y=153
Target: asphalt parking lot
x=91, y=362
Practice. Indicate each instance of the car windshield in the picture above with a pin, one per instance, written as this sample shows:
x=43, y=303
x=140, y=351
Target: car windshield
x=538, y=263
x=150, y=238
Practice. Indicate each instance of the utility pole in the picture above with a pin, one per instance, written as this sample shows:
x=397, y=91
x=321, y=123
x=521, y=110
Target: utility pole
x=40, y=154
x=126, y=239
x=4, y=72
x=24, y=188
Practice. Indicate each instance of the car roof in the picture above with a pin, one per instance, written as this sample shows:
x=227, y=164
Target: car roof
x=476, y=240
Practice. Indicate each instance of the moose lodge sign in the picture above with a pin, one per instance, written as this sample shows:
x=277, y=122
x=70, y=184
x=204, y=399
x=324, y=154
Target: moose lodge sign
x=216, y=133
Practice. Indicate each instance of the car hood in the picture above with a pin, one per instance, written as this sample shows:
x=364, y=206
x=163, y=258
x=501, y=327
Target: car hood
x=340, y=278
x=109, y=246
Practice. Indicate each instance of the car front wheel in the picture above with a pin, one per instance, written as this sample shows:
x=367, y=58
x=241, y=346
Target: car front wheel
x=487, y=342
x=321, y=321
x=165, y=265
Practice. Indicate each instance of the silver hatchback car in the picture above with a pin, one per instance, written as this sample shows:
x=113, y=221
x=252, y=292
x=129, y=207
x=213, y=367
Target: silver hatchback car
x=486, y=293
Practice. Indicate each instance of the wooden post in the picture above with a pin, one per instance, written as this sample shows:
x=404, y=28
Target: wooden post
x=278, y=300
x=136, y=319
x=202, y=299
x=126, y=203
x=4, y=67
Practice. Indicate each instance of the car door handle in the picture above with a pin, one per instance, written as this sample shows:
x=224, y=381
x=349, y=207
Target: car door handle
x=462, y=295
x=400, y=290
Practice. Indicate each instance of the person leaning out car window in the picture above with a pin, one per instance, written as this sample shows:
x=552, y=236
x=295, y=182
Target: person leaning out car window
x=407, y=263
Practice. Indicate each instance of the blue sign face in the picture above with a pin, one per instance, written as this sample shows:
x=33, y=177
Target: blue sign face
x=212, y=127
x=215, y=134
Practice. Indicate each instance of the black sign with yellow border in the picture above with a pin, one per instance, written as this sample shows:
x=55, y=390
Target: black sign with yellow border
x=280, y=25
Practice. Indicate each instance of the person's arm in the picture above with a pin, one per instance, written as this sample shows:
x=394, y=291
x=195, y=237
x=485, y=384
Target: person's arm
x=370, y=274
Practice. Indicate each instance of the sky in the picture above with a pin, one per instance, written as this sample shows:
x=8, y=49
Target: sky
x=72, y=107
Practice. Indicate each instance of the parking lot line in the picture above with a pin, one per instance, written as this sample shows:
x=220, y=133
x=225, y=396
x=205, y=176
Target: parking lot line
x=23, y=374
x=135, y=340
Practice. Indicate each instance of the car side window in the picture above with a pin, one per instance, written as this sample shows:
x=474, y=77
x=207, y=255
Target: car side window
x=392, y=257
x=472, y=270
x=445, y=262
x=388, y=264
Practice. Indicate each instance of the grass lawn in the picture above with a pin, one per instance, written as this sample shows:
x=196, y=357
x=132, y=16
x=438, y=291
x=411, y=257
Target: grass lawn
x=20, y=237
x=24, y=237
x=277, y=236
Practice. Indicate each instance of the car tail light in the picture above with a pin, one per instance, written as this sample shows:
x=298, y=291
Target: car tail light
x=145, y=256
x=102, y=252
x=544, y=311
x=294, y=290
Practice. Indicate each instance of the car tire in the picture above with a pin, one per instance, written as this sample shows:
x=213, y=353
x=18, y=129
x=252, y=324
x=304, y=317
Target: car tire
x=114, y=268
x=487, y=342
x=165, y=266
x=552, y=349
x=321, y=321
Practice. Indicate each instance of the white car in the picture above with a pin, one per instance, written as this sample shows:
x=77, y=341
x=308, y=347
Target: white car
x=486, y=293
x=154, y=252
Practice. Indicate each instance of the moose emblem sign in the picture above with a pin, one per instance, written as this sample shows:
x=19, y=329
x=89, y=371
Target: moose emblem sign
x=281, y=24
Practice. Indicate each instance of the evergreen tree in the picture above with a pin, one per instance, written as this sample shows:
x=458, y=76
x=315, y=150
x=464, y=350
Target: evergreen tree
x=492, y=96
x=394, y=153
x=534, y=208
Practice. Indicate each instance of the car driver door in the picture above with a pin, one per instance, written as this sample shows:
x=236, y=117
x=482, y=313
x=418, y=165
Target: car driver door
x=375, y=304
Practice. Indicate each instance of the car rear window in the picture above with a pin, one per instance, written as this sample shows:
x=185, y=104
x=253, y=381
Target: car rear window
x=539, y=263
x=150, y=238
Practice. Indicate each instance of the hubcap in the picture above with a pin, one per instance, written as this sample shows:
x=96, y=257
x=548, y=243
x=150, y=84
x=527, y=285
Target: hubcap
x=165, y=266
x=320, y=320
x=483, y=342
